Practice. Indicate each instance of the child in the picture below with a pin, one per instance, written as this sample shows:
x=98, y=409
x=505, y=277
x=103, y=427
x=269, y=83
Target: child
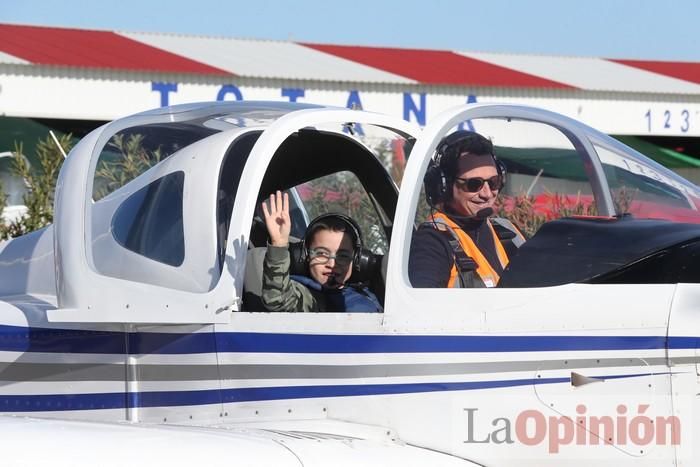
x=331, y=245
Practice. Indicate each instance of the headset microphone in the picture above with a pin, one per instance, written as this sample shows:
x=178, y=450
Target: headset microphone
x=332, y=282
x=484, y=213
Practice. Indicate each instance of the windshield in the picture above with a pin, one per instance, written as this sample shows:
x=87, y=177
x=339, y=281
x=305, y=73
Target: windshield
x=644, y=189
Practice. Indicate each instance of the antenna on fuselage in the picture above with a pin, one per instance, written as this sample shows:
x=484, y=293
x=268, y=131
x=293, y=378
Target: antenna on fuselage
x=55, y=140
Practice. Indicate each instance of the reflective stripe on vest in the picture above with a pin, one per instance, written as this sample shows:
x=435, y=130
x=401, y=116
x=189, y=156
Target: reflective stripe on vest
x=484, y=269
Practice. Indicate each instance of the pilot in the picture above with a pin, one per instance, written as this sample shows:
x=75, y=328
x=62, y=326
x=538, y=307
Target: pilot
x=458, y=245
x=330, y=250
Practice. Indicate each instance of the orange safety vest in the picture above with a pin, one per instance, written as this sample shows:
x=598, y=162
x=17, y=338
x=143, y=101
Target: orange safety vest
x=484, y=269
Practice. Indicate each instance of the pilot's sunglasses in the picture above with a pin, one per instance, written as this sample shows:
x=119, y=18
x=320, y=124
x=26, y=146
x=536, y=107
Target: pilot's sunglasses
x=474, y=184
x=322, y=256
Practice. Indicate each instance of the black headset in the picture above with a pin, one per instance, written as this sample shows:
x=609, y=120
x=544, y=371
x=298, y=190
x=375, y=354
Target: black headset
x=363, y=260
x=441, y=168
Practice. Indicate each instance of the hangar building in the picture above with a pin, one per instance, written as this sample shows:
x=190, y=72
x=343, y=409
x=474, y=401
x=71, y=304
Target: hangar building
x=72, y=80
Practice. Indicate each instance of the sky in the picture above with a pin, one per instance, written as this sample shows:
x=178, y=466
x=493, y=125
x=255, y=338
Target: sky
x=633, y=29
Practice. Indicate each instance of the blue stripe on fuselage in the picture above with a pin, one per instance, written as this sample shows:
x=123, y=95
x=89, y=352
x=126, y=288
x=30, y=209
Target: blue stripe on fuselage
x=309, y=343
x=62, y=402
x=23, y=339
x=32, y=339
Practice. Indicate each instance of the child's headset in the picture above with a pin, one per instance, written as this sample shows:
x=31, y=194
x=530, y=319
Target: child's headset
x=363, y=260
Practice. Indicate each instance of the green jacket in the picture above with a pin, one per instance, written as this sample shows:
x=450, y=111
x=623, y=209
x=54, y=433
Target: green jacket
x=279, y=292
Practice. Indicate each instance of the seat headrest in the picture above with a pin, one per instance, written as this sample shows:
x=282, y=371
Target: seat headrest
x=258, y=232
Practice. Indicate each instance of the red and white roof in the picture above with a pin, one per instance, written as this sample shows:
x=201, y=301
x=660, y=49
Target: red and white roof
x=218, y=56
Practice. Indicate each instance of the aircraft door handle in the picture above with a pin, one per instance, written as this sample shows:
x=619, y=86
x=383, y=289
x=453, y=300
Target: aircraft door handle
x=578, y=379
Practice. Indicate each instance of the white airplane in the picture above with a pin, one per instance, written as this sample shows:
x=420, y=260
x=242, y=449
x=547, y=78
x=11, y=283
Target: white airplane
x=131, y=333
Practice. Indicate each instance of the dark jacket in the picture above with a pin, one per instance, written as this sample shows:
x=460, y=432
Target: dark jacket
x=431, y=257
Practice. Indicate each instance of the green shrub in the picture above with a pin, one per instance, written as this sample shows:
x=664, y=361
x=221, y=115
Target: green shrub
x=40, y=182
x=129, y=160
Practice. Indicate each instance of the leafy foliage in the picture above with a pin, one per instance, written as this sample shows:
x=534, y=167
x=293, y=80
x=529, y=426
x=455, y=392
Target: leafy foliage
x=623, y=197
x=128, y=160
x=343, y=193
x=3, y=203
x=40, y=182
x=131, y=160
x=530, y=212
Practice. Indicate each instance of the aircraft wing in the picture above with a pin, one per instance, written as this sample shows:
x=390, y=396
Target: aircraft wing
x=63, y=443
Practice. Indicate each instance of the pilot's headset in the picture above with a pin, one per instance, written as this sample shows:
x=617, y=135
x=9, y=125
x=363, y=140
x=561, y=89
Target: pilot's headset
x=442, y=168
x=362, y=259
